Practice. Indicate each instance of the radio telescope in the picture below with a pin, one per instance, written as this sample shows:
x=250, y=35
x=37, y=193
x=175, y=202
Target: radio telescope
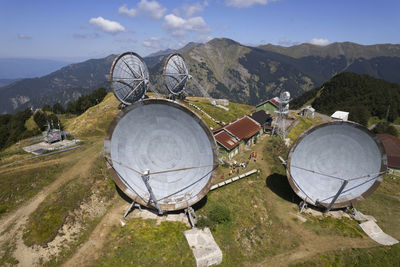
x=336, y=164
x=129, y=77
x=175, y=74
x=162, y=154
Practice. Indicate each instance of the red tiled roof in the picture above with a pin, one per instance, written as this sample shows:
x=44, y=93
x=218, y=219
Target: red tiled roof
x=274, y=102
x=392, y=147
x=243, y=128
x=226, y=140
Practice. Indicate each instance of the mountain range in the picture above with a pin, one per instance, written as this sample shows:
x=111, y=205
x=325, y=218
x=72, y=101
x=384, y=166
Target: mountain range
x=19, y=68
x=224, y=69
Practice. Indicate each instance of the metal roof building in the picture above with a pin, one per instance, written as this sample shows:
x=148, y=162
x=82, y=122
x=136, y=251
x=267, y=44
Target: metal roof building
x=243, y=128
x=226, y=140
x=392, y=147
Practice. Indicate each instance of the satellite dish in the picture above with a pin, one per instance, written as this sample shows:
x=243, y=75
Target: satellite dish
x=336, y=164
x=175, y=74
x=129, y=77
x=285, y=96
x=162, y=154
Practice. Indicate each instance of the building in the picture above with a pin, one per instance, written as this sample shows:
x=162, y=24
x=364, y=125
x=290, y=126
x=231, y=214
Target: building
x=270, y=106
x=222, y=102
x=228, y=145
x=264, y=119
x=340, y=115
x=244, y=129
x=236, y=135
x=307, y=111
x=392, y=147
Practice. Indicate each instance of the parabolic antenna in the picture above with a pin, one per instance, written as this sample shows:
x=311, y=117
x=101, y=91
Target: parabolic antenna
x=129, y=77
x=162, y=154
x=336, y=164
x=175, y=74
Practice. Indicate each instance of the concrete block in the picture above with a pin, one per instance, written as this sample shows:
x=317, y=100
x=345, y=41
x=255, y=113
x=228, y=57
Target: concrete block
x=376, y=233
x=206, y=252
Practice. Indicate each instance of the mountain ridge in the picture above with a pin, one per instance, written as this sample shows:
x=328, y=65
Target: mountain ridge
x=223, y=67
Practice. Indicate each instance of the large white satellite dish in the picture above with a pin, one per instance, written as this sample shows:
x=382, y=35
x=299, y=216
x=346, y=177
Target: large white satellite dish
x=162, y=154
x=175, y=74
x=129, y=77
x=336, y=164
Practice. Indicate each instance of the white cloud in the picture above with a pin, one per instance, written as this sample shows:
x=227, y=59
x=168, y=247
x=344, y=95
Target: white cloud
x=177, y=25
x=129, y=12
x=247, y=3
x=155, y=43
x=125, y=40
x=107, y=26
x=204, y=38
x=150, y=9
x=86, y=36
x=24, y=36
x=319, y=41
x=190, y=10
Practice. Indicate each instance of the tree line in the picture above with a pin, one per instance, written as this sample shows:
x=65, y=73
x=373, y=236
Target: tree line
x=361, y=95
x=12, y=126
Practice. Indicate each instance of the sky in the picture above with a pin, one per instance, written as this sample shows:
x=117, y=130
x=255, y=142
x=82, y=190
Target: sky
x=78, y=30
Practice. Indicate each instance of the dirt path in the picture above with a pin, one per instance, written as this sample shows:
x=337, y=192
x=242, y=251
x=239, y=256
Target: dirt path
x=91, y=250
x=12, y=224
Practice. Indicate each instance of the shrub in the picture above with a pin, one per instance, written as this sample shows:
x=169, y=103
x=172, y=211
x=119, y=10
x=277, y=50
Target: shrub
x=218, y=214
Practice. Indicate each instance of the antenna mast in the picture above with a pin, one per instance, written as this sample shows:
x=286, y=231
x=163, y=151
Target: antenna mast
x=280, y=125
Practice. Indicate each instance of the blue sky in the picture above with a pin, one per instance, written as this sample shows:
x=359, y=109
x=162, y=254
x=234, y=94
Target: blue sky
x=77, y=30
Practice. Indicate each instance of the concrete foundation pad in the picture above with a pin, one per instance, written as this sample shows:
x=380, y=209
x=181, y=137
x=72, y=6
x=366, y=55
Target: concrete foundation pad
x=206, y=252
x=148, y=214
x=43, y=146
x=376, y=233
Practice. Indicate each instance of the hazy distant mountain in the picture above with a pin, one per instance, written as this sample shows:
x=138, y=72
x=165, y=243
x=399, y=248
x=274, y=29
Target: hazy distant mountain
x=224, y=68
x=4, y=82
x=162, y=53
x=349, y=50
x=17, y=68
x=62, y=86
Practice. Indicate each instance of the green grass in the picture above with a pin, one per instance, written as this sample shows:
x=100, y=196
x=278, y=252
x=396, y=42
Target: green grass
x=235, y=111
x=7, y=251
x=52, y=213
x=374, y=120
x=385, y=209
x=390, y=185
x=18, y=186
x=253, y=231
x=331, y=226
x=143, y=243
x=303, y=125
x=378, y=256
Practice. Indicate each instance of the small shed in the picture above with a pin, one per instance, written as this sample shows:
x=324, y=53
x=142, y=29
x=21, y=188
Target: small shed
x=263, y=118
x=307, y=111
x=340, y=115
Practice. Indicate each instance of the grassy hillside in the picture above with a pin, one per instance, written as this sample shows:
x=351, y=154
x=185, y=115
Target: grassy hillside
x=64, y=208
